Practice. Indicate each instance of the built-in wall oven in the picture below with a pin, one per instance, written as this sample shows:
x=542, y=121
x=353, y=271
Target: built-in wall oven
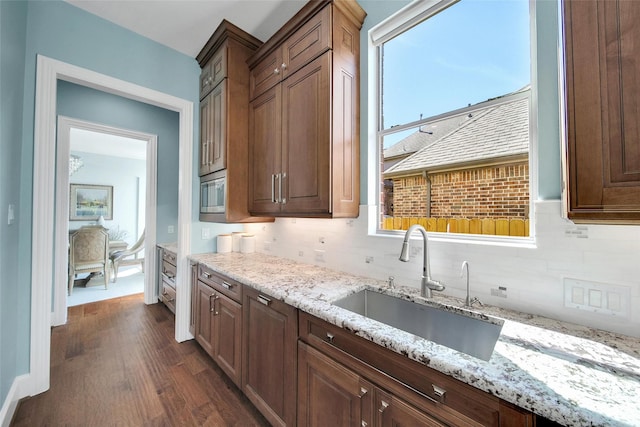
x=213, y=195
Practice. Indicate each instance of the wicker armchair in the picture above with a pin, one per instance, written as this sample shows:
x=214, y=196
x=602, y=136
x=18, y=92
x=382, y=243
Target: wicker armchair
x=89, y=253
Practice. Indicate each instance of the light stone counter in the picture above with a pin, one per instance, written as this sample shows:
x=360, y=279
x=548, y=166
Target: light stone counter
x=567, y=373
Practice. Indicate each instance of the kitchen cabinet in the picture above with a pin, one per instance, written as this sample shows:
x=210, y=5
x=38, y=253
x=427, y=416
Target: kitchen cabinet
x=329, y=393
x=219, y=324
x=304, y=115
x=602, y=42
x=403, y=392
x=269, y=357
x=224, y=101
x=168, y=274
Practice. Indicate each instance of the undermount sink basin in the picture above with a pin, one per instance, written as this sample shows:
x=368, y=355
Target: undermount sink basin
x=466, y=334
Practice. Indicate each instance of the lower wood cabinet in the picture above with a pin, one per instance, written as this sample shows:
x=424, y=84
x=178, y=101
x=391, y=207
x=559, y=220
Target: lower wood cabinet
x=269, y=357
x=370, y=385
x=218, y=327
x=329, y=394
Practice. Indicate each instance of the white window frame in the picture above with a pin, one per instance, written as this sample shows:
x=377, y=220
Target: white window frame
x=406, y=18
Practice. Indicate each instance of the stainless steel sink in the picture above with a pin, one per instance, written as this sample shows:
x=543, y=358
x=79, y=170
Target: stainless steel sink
x=466, y=334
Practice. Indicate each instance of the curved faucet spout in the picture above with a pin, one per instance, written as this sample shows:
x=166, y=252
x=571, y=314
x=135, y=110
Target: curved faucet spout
x=427, y=284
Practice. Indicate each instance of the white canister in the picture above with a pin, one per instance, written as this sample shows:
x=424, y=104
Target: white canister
x=248, y=244
x=224, y=243
x=235, y=237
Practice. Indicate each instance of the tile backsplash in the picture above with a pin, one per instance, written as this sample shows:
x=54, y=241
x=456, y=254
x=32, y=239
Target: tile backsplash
x=530, y=278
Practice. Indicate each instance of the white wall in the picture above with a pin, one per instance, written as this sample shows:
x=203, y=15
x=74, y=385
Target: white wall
x=128, y=178
x=533, y=275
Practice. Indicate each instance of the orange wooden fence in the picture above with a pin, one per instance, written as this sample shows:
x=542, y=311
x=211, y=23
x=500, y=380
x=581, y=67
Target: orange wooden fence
x=496, y=227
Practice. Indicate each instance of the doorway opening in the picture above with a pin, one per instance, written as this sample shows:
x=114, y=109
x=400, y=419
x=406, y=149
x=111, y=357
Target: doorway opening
x=124, y=162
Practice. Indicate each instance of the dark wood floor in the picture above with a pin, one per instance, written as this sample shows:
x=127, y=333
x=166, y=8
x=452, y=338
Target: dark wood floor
x=116, y=363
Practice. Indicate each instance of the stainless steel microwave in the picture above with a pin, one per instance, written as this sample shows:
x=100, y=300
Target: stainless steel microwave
x=213, y=193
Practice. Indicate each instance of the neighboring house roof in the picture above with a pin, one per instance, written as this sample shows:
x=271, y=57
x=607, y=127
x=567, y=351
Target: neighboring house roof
x=496, y=132
x=426, y=135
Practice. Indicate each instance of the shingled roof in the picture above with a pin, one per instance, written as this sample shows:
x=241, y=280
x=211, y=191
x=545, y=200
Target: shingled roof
x=500, y=131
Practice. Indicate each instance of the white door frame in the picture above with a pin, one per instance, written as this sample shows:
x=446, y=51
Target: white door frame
x=60, y=287
x=48, y=72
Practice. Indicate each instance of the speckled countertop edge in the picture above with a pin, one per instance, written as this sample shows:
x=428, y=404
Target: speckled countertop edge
x=571, y=374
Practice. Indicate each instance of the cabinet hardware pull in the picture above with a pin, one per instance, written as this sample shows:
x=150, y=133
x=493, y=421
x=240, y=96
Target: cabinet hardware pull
x=264, y=300
x=439, y=392
x=206, y=274
x=276, y=71
x=330, y=337
x=363, y=391
x=364, y=423
x=215, y=312
x=283, y=66
x=211, y=296
x=273, y=188
x=281, y=177
x=226, y=285
x=383, y=405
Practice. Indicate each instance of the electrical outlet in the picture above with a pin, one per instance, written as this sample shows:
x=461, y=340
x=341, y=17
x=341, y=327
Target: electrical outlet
x=300, y=253
x=321, y=239
x=170, y=229
x=599, y=298
x=319, y=255
x=206, y=233
x=368, y=259
x=501, y=292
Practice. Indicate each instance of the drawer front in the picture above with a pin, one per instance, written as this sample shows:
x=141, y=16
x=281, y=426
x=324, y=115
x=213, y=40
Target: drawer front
x=307, y=43
x=168, y=256
x=266, y=74
x=168, y=270
x=417, y=378
x=168, y=296
x=220, y=283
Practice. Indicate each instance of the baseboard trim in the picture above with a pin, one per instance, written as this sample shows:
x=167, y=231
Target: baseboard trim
x=17, y=391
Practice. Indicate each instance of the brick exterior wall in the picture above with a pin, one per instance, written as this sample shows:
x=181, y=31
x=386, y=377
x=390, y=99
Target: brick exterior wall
x=489, y=192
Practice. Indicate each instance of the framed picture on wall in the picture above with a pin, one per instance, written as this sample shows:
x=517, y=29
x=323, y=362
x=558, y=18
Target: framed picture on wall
x=87, y=202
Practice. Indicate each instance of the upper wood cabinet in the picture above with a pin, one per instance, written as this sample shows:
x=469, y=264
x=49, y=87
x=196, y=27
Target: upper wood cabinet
x=304, y=145
x=224, y=132
x=602, y=47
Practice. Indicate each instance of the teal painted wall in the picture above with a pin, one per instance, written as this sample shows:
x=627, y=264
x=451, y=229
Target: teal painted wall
x=13, y=18
x=95, y=106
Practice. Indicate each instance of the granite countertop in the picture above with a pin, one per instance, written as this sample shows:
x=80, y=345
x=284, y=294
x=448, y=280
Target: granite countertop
x=571, y=374
x=171, y=247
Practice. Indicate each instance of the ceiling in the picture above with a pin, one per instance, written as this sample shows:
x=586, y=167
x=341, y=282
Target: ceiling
x=87, y=141
x=186, y=25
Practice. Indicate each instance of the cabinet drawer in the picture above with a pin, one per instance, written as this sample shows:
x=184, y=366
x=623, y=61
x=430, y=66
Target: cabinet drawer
x=213, y=72
x=168, y=296
x=220, y=283
x=420, y=383
x=168, y=270
x=168, y=256
x=307, y=43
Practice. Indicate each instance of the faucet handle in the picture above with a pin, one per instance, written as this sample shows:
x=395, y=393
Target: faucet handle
x=392, y=283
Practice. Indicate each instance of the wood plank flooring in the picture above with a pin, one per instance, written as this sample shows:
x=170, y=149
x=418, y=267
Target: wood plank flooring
x=116, y=363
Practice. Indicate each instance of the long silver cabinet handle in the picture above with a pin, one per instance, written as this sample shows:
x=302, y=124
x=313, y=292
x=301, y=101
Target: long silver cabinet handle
x=273, y=188
x=281, y=177
x=264, y=300
x=226, y=285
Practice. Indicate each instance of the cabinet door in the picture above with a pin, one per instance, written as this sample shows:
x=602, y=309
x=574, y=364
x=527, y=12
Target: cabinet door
x=205, y=135
x=218, y=128
x=306, y=145
x=269, y=357
x=204, y=322
x=329, y=394
x=227, y=333
x=264, y=152
x=603, y=109
x=194, y=309
x=307, y=43
x=392, y=411
x=266, y=74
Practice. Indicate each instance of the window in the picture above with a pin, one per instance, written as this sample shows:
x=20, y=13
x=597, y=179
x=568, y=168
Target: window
x=453, y=120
